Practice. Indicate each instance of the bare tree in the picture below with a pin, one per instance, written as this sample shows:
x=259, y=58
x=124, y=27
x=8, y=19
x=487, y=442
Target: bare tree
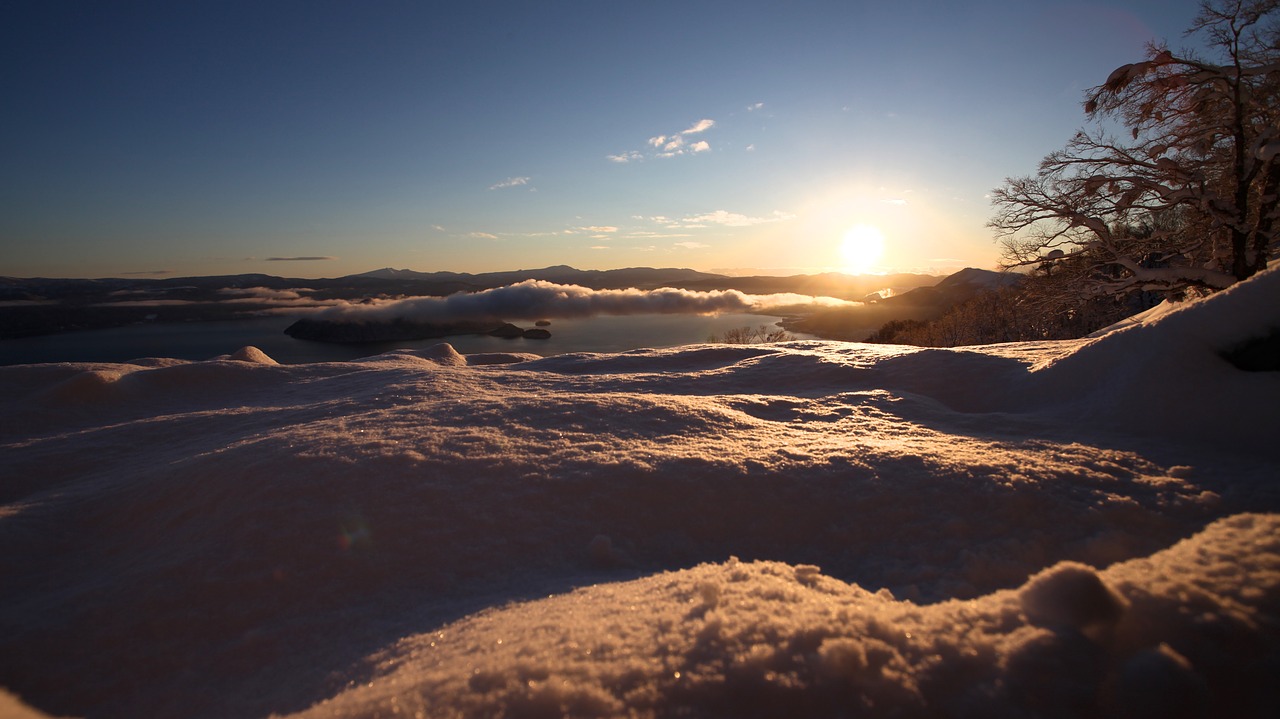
x=1189, y=196
x=747, y=335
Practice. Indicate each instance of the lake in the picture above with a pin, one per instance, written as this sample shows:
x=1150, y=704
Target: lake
x=202, y=340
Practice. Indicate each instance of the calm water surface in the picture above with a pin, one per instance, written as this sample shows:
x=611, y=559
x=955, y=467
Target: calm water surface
x=203, y=340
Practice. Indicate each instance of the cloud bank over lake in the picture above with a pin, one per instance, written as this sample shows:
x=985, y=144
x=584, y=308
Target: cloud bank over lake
x=538, y=299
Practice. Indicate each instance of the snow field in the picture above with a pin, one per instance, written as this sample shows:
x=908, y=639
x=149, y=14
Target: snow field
x=1069, y=528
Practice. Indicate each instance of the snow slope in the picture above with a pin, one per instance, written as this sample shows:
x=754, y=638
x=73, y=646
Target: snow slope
x=808, y=529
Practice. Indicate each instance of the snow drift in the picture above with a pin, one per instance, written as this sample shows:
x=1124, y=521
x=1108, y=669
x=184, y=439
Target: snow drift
x=1082, y=528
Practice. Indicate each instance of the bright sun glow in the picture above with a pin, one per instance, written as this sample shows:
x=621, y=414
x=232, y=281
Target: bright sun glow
x=861, y=248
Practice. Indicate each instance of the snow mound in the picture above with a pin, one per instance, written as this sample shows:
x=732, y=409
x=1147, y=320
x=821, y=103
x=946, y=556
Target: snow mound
x=157, y=361
x=1157, y=377
x=487, y=358
x=445, y=355
x=251, y=354
x=1144, y=317
x=1072, y=597
x=11, y=707
x=442, y=354
x=763, y=639
x=1059, y=528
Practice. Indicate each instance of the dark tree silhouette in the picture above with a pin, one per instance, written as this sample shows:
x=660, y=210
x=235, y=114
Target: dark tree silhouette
x=1189, y=196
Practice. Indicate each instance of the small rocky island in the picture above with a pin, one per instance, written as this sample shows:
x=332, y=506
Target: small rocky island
x=402, y=330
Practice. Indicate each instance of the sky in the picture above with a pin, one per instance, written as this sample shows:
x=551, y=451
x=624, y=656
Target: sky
x=318, y=139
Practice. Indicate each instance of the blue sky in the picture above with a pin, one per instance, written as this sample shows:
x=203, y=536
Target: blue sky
x=230, y=137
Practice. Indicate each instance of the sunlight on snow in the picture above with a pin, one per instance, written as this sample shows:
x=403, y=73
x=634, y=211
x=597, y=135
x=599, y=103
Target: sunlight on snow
x=1080, y=528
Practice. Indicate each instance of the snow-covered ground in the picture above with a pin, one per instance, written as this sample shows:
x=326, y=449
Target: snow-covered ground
x=1083, y=528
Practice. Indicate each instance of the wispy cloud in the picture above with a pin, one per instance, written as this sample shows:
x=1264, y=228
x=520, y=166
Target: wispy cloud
x=149, y=272
x=668, y=145
x=510, y=182
x=643, y=234
x=669, y=232
x=264, y=296
x=734, y=219
x=147, y=303
x=302, y=258
x=700, y=126
x=482, y=235
x=755, y=106
x=264, y=293
x=628, y=156
x=255, y=299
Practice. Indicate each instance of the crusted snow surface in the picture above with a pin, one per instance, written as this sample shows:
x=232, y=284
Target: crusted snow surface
x=808, y=529
x=766, y=639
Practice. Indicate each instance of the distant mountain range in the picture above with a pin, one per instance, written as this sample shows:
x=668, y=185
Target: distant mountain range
x=831, y=284
x=920, y=303
x=562, y=274
x=390, y=281
x=31, y=306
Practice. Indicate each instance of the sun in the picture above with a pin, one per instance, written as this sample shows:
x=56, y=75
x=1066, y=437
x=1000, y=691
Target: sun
x=861, y=248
